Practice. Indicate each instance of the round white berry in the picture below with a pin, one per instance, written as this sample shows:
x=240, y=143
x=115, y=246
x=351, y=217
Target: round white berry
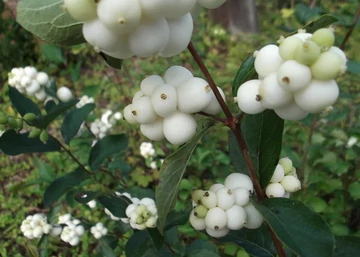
x=33, y=88
x=179, y=127
x=317, y=95
x=153, y=131
x=291, y=184
x=164, y=100
x=214, y=106
x=148, y=84
x=217, y=233
x=211, y=4
x=216, y=187
x=196, y=223
x=235, y=217
x=287, y=164
x=242, y=196
x=248, y=98
x=225, y=198
x=293, y=76
x=278, y=175
x=30, y=72
x=254, y=217
x=239, y=180
x=274, y=190
x=215, y=218
x=42, y=78
x=267, y=60
x=209, y=199
x=143, y=111
x=64, y=94
x=177, y=75
x=147, y=201
x=291, y=111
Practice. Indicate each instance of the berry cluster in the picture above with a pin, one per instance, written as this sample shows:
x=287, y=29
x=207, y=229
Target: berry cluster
x=147, y=150
x=72, y=231
x=84, y=100
x=119, y=28
x=295, y=78
x=30, y=81
x=34, y=226
x=165, y=106
x=284, y=180
x=98, y=230
x=100, y=127
x=225, y=207
x=141, y=215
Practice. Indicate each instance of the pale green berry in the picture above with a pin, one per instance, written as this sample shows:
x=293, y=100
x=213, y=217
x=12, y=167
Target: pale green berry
x=287, y=164
x=291, y=184
x=196, y=195
x=81, y=10
x=328, y=66
x=209, y=199
x=288, y=46
x=307, y=52
x=140, y=209
x=200, y=211
x=324, y=38
x=197, y=223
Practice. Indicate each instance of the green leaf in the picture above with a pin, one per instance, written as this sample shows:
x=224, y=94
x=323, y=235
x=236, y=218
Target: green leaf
x=140, y=245
x=63, y=184
x=53, y=53
x=176, y=218
x=115, y=204
x=13, y=143
x=246, y=72
x=52, y=214
x=257, y=242
x=202, y=253
x=347, y=246
x=111, y=61
x=46, y=173
x=172, y=171
x=297, y=226
x=323, y=22
x=86, y=196
x=200, y=244
x=106, y=147
x=156, y=237
x=73, y=120
x=23, y=104
x=47, y=20
x=105, y=249
x=304, y=13
x=56, y=112
x=263, y=137
x=354, y=190
x=236, y=156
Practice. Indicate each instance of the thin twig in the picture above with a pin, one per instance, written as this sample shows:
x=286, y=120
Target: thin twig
x=213, y=117
x=278, y=245
x=350, y=31
x=210, y=80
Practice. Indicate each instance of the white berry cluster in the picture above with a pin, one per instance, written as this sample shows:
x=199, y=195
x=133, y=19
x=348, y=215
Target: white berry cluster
x=165, y=106
x=295, y=78
x=100, y=127
x=284, y=180
x=70, y=230
x=225, y=207
x=84, y=100
x=141, y=215
x=147, y=150
x=98, y=231
x=29, y=81
x=34, y=226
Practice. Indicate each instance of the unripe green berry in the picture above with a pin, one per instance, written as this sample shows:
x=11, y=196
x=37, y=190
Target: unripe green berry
x=200, y=211
x=29, y=117
x=328, y=66
x=12, y=123
x=288, y=46
x=196, y=195
x=44, y=137
x=146, y=214
x=209, y=199
x=34, y=133
x=3, y=118
x=307, y=53
x=140, y=209
x=287, y=164
x=324, y=38
x=139, y=220
x=20, y=124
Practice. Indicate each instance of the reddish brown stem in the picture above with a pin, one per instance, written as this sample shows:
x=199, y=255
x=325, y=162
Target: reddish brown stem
x=278, y=246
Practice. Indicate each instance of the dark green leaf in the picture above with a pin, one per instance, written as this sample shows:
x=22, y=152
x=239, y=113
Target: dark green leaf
x=200, y=244
x=113, y=62
x=115, y=204
x=236, y=156
x=106, y=147
x=156, y=237
x=347, y=246
x=297, y=226
x=86, y=196
x=121, y=166
x=53, y=53
x=47, y=20
x=105, y=249
x=44, y=248
x=63, y=184
x=51, y=215
x=246, y=72
x=172, y=171
x=49, y=105
x=353, y=67
x=304, y=13
x=73, y=120
x=263, y=136
x=23, y=104
x=202, y=253
x=57, y=111
x=46, y=173
x=323, y=22
x=176, y=218
x=12, y=143
x=257, y=242
x=140, y=245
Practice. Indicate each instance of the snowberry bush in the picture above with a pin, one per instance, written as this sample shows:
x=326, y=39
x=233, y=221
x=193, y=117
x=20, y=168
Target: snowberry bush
x=251, y=206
